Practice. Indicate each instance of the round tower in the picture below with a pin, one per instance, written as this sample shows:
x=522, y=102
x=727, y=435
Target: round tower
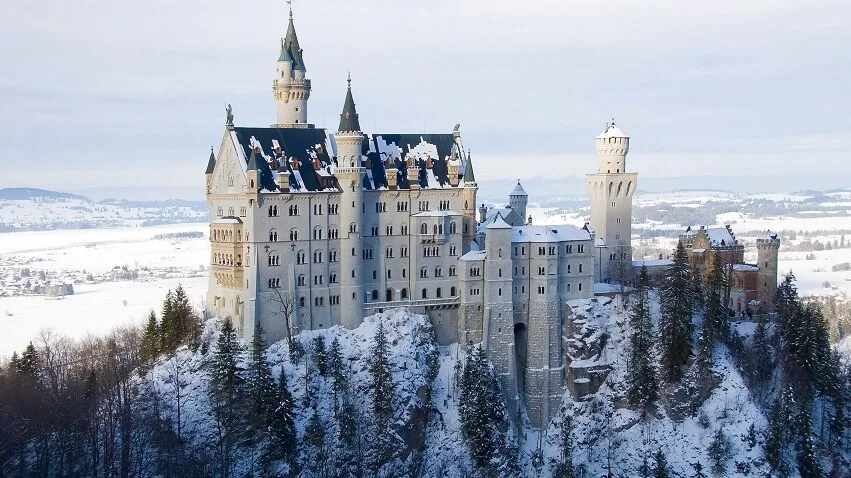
x=612, y=148
x=290, y=86
x=518, y=199
x=350, y=174
x=611, y=189
x=468, y=194
x=767, y=249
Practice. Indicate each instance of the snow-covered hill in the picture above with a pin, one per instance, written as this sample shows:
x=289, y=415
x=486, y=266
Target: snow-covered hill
x=25, y=209
x=607, y=434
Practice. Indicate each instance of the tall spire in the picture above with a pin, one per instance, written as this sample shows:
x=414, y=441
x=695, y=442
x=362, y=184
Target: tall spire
x=469, y=176
x=349, y=116
x=292, y=47
x=211, y=163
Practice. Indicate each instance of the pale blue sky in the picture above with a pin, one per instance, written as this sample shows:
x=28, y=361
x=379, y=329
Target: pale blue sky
x=98, y=93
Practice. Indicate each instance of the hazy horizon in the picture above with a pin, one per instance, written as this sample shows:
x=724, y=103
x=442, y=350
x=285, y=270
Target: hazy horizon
x=106, y=96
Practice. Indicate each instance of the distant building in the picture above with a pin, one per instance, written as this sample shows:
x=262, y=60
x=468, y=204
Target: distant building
x=751, y=286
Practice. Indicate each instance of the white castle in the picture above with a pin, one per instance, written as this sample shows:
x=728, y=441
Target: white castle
x=311, y=230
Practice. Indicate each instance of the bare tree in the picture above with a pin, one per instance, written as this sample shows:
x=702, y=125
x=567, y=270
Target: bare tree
x=622, y=269
x=287, y=305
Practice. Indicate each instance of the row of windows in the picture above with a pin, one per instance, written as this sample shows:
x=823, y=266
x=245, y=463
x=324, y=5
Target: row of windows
x=549, y=250
x=293, y=210
x=438, y=272
x=334, y=233
x=543, y=270
x=227, y=259
x=438, y=228
x=614, y=256
x=542, y=289
x=220, y=235
x=243, y=211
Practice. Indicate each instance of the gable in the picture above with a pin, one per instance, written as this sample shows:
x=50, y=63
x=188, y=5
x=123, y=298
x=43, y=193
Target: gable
x=229, y=174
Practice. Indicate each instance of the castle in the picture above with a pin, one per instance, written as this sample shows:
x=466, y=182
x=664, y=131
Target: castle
x=751, y=287
x=311, y=230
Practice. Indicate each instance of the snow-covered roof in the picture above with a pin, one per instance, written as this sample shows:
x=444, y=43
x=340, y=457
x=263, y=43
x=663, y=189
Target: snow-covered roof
x=720, y=236
x=437, y=214
x=652, y=263
x=599, y=242
x=228, y=220
x=498, y=223
x=612, y=131
x=473, y=256
x=508, y=214
x=518, y=190
x=560, y=233
x=745, y=267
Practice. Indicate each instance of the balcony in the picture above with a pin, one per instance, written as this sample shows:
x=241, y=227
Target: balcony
x=447, y=302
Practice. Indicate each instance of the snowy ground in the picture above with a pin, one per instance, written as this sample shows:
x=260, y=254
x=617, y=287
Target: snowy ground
x=97, y=308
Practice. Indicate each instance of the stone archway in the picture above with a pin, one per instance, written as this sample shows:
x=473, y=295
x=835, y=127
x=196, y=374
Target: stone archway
x=520, y=343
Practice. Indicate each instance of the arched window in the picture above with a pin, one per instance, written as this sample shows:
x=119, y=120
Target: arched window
x=423, y=228
x=403, y=294
x=317, y=233
x=452, y=228
x=425, y=293
x=353, y=227
x=452, y=291
x=374, y=295
x=293, y=234
x=438, y=293
x=438, y=271
x=435, y=229
x=273, y=235
x=423, y=272
x=389, y=295
x=500, y=253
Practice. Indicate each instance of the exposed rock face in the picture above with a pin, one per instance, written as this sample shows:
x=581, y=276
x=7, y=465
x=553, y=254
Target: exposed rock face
x=585, y=346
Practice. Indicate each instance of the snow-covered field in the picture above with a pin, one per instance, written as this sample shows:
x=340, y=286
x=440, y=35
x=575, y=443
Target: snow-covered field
x=97, y=308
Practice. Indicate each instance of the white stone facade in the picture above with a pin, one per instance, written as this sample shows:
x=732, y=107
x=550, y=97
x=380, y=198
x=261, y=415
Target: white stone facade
x=336, y=227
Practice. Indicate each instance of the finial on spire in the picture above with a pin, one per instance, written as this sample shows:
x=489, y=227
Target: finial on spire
x=290, y=3
x=349, y=80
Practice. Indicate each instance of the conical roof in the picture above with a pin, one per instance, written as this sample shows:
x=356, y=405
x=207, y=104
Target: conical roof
x=518, y=190
x=292, y=47
x=211, y=163
x=349, y=116
x=612, y=131
x=469, y=176
x=252, y=162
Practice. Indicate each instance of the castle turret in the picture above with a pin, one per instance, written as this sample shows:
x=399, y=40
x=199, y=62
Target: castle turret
x=518, y=200
x=767, y=249
x=350, y=174
x=498, y=321
x=211, y=166
x=468, y=193
x=291, y=87
x=611, y=190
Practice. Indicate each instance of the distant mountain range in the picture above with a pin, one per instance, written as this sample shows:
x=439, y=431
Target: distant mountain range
x=33, y=209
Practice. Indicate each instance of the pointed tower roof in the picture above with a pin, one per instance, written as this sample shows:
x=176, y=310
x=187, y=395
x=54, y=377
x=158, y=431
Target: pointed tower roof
x=518, y=190
x=285, y=54
x=612, y=131
x=498, y=223
x=292, y=47
x=349, y=116
x=469, y=176
x=252, y=162
x=211, y=163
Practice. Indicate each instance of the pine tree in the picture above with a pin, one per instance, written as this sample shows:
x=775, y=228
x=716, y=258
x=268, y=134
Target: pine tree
x=719, y=452
x=480, y=408
x=564, y=468
x=382, y=380
x=319, y=355
x=642, y=384
x=168, y=324
x=280, y=423
x=261, y=386
x=339, y=383
x=30, y=362
x=149, y=349
x=808, y=458
x=715, y=313
x=760, y=352
x=188, y=322
x=660, y=469
x=227, y=390
x=775, y=435
x=677, y=306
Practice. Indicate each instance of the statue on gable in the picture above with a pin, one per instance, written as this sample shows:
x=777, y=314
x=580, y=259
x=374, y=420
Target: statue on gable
x=229, y=111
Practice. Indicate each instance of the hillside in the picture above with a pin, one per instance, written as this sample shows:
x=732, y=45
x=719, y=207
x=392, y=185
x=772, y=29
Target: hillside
x=31, y=209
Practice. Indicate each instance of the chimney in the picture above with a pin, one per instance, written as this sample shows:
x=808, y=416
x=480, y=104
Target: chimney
x=483, y=213
x=529, y=221
x=453, y=173
x=317, y=165
x=283, y=181
x=392, y=178
x=414, y=177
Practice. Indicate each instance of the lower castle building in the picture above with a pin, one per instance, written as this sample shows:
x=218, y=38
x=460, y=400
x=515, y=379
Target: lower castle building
x=311, y=229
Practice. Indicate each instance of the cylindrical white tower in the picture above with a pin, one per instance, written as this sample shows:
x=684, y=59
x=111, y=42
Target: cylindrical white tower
x=290, y=86
x=350, y=174
x=611, y=190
